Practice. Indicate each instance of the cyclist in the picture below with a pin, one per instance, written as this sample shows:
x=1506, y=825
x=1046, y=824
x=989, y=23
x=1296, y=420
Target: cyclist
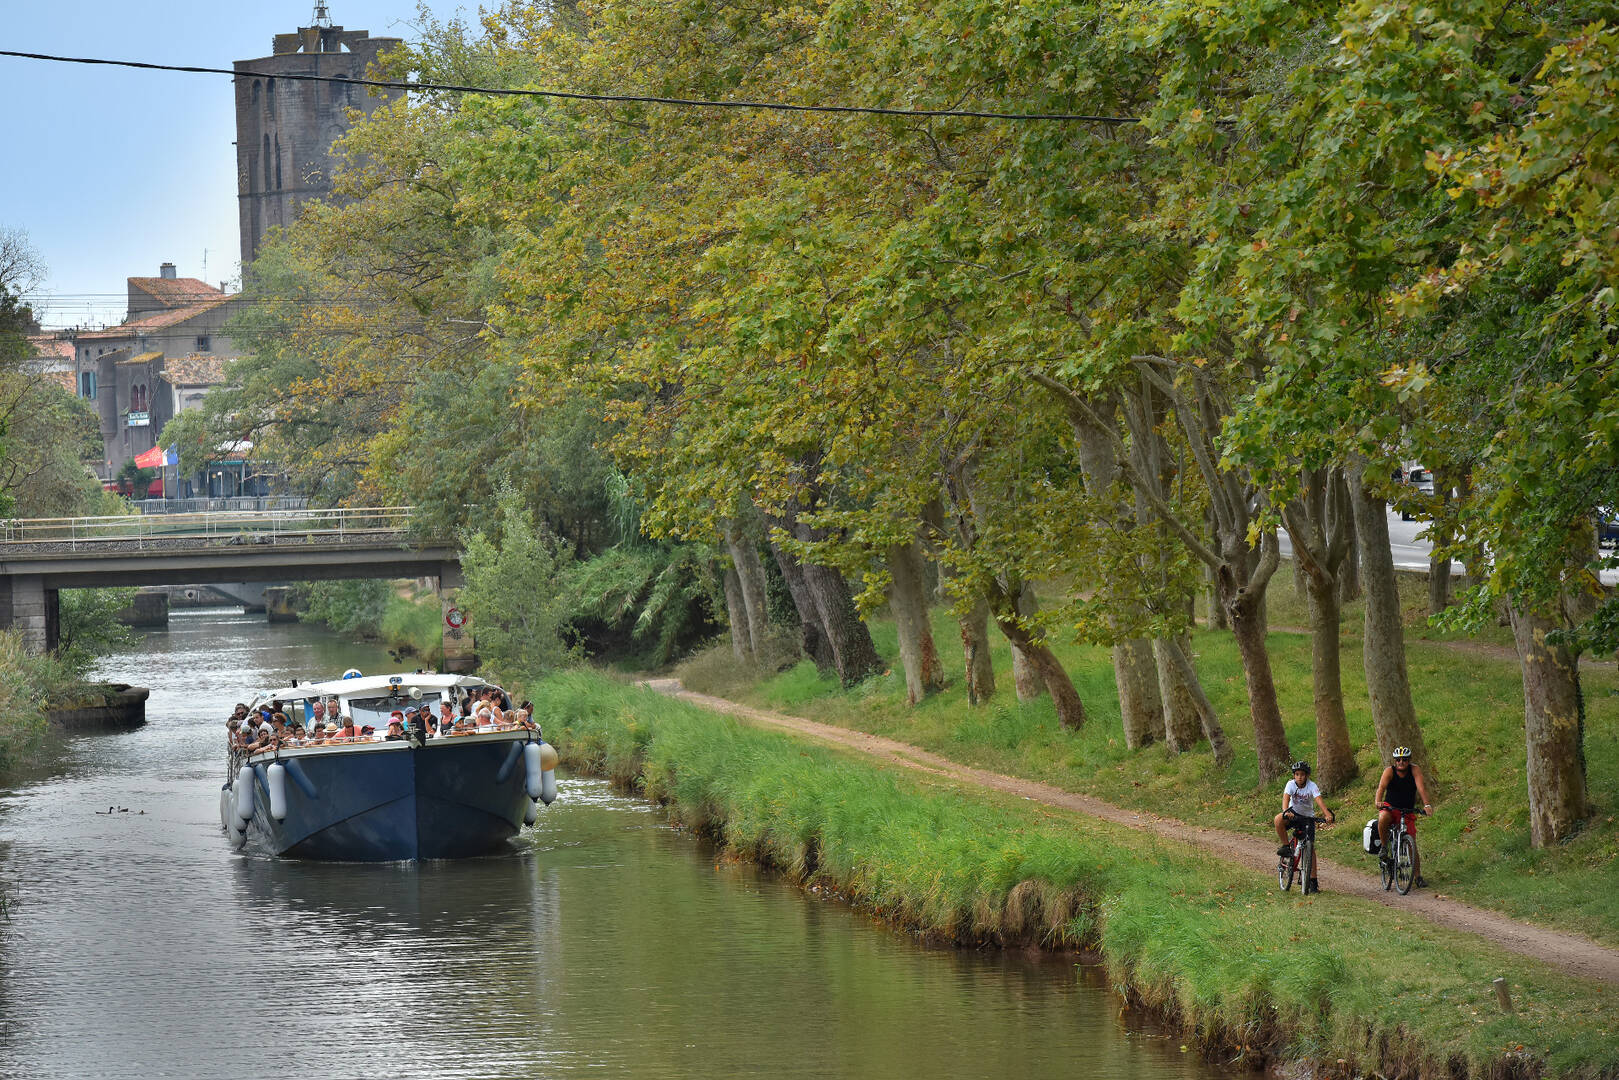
x=1397, y=793
x=1299, y=799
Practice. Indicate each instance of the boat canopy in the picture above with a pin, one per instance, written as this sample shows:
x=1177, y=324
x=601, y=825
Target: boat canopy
x=372, y=685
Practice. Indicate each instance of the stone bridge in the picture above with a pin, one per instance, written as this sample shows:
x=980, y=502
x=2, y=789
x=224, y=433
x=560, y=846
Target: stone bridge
x=40, y=557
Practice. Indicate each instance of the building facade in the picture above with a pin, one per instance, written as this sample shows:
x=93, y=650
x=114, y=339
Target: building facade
x=285, y=127
x=142, y=372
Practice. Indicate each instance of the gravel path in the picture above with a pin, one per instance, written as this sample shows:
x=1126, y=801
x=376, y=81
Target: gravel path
x=1570, y=952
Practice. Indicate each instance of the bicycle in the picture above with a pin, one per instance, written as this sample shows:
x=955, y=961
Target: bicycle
x=1298, y=862
x=1397, y=861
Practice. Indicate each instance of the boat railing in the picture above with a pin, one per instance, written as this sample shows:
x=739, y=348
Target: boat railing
x=311, y=525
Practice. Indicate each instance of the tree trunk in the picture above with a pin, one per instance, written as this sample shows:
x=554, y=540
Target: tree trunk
x=979, y=664
x=1388, y=686
x=1341, y=521
x=908, y=597
x=1181, y=720
x=1182, y=661
x=853, y=655
x=1140, y=708
x=741, y=644
x=1270, y=739
x=750, y=573
x=1553, y=731
x=812, y=637
x=1070, y=709
x=1334, y=752
x=1026, y=675
x=1217, y=616
x=1320, y=522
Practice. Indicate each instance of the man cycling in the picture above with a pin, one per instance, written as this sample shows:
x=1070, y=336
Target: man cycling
x=1397, y=793
x=1299, y=799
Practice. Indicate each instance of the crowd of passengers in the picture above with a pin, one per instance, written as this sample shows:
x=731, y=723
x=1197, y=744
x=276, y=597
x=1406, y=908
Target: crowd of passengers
x=485, y=709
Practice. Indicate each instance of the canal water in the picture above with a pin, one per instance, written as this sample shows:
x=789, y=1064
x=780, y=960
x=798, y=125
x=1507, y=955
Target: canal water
x=135, y=943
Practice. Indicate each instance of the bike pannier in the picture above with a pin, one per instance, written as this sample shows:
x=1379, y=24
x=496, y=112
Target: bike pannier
x=1369, y=838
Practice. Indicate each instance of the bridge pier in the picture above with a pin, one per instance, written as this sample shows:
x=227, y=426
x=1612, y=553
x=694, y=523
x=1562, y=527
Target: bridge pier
x=28, y=606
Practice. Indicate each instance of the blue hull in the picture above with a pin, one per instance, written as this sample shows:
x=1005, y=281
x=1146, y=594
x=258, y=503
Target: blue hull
x=386, y=802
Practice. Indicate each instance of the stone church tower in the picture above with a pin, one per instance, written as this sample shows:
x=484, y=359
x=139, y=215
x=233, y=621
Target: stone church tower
x=285, y=127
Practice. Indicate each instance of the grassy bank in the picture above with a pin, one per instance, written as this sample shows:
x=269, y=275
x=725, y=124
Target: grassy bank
x=1248, y=970
x=396, y=614
x=1469, y=697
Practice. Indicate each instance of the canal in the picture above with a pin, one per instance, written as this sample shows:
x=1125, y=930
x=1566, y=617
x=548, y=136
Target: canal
x=136, y=943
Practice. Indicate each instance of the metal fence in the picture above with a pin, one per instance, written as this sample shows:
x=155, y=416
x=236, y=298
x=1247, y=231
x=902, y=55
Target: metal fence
x=202, y=505
x=333, y=525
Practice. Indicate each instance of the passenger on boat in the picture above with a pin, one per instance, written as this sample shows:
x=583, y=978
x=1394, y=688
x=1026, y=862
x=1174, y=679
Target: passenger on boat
x=347, y=731
x=446, y=716
x=328, y=733
x=396, y=731
x=317, y=712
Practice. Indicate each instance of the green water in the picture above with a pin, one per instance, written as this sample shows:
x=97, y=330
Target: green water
x=606, y=943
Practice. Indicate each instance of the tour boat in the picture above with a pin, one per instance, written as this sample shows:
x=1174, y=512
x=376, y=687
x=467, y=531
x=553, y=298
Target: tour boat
x=375, y=799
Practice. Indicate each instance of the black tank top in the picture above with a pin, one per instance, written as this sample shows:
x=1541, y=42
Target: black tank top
x=1401, y=792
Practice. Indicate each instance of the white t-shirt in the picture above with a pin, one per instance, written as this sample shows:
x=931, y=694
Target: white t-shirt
x=1301, y=800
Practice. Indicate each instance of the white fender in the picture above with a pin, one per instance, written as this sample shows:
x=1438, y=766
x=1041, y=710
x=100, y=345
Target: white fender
x=225, y=815
x=548, y=773
x=244, y=793
x=278, y=791
x=238, y=837
x=531, y=812
x=534, y=766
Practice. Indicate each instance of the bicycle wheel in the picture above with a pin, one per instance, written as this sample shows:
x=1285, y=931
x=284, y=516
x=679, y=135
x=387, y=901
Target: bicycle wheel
x=1286, y=869
x=1385, y=865
x=1405, y=868
x=1306, y=853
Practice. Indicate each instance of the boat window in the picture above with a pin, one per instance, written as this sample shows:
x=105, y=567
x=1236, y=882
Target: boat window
x=375, y=711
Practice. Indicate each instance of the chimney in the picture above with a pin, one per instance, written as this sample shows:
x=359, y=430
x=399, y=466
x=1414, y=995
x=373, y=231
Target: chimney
x=166, y=272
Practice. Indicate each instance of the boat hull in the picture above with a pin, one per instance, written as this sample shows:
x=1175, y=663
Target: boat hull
x=383, y=802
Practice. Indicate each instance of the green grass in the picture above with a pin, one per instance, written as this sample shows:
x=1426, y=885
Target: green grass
x=1470, y=701
x=1243, y=966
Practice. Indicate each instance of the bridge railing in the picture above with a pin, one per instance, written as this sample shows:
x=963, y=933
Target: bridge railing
x=256, y=526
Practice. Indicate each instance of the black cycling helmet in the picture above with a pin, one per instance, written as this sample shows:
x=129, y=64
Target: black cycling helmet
x=1302, y=766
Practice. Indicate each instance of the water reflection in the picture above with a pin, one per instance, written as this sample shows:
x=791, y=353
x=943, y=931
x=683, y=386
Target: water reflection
x=140, y=945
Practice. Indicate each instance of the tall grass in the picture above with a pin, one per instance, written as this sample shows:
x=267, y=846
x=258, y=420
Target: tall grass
x=1246, y=969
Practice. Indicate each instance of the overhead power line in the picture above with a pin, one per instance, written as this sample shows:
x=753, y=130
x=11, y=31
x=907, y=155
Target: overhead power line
x=574, y=95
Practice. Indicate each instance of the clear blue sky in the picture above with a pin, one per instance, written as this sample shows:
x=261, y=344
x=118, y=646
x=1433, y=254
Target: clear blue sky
x=112, y=172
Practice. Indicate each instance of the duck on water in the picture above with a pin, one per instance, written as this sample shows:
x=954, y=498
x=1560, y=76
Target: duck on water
x=423, y=790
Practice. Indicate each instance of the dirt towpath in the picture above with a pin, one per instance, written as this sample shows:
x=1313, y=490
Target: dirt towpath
x=1570, y=952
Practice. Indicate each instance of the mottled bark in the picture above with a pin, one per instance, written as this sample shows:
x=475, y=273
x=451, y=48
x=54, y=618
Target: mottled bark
x=1027, y=677
x=854, y=656
x=812, y=638
x=1244, y=609
x=751, y=578
x=741, y=643
x=1182, y=661
x=978, y=663
x=1320, y=522
x=1182, y=724
x=1334, y=753
x=1211, y=599
x=908, y=598
x=1553, y=731
x=1141, y=709
x=1441, y=534
x=1070, y=709
x=1388, y=685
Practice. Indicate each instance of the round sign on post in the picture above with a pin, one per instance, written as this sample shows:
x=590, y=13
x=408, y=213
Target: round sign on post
x=454, y=618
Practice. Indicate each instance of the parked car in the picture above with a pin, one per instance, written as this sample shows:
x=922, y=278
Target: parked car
x=1416, y=477
x=1607, y=526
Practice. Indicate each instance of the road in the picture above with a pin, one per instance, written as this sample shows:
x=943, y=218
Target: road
x=1411, y=548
